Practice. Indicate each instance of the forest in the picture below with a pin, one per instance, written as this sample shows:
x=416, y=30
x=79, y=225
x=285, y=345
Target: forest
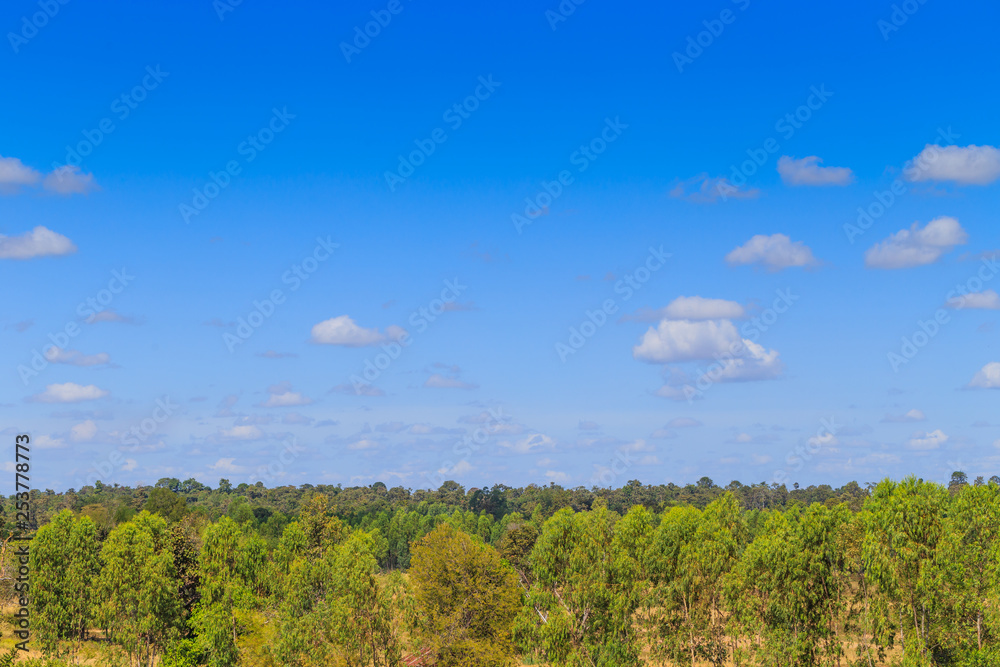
x=178, y=574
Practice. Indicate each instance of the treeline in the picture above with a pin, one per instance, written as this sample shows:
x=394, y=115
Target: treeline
x=900, y=573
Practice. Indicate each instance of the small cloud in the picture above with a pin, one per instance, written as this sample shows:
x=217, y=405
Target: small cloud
x=987, y=378
x=69, y=180
x=962, y=165
x=911, y=416
x=39, y=242
x=701, y=189
x=76, y=358
x=985, y=300
x=529, y=443
x=109, y=315
x=69, y=392
x=20, y=327
x=343, y=331
x=808, y=171
x=917, y=246
x=556, y=476
x=589, y=426
x=663, y=434
x=227, y=466
x=282, y=396
x=759, y=459
x=363, y=443
x=438, y=381
x=47, y=442
x=241, y=433
x=930, y=440
x=776, y=252
x=83, y=432
x=390, y=427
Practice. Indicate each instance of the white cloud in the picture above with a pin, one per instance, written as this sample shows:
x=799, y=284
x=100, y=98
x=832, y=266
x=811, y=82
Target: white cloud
x=702, y=189
x=342, y=330
x=700, y=308
x=775, y=252
x=58, y=355
x=963, y=165
x=14, y=174
x=808, y=171
x=439, y=381
x=917, y=246
x=249, y=432
x=109, y=315
x=928, y=440
x=39, y=242
x=47, y=442
x=985, y=300
x=69, y=180
x=529, y=443
x=227, y=466
x=760, y=459
x=988, y=377
x=363, y=443
x=463, y=467
x=826, y=440
x=69, y=392
x=911, y=416
x=556, y=476
x=83, y=432
x=282, y=396
x=683, y=340
x=756, y=363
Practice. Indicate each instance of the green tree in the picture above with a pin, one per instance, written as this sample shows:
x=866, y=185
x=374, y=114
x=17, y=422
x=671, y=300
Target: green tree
x=466, y=598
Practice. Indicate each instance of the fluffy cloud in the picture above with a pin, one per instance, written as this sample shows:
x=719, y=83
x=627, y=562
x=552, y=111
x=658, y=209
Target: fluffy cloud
x=808, y=171
x=963, y=165
x=917, y=246
x=83, y=432
x=109, y=315
x=776, y=252
x=343, y=331
x=227, y=466
x=930, y=440
x=683, y=340
x=704, y=190
x=14, y=174
x=282, y=396
x=911, y=416
x=985, y=300
x=589, y=426
x=76, y=358
x=529, y=443
x=47, y=442
x=556, y=476
x=69, y=392
x=988, y=377
x=244, y=433
x=69, y=180
x=39, y=242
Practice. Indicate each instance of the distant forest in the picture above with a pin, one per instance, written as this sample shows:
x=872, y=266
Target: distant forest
x=182, y=575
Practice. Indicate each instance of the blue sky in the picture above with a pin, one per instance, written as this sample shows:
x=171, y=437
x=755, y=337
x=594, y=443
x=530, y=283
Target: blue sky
x=687, y=180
